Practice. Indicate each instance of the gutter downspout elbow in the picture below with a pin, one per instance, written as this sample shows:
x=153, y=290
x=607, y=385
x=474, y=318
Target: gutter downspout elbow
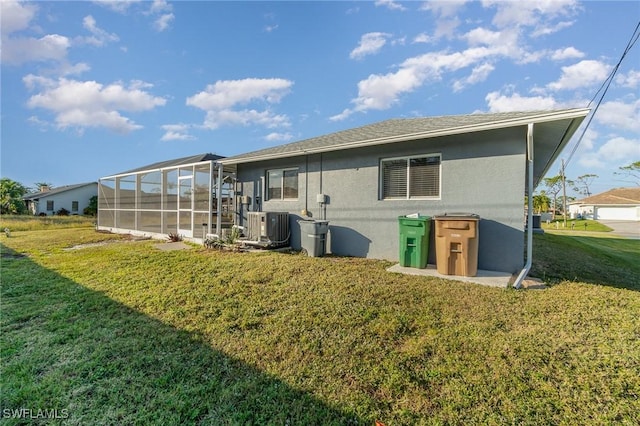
x=527, y=267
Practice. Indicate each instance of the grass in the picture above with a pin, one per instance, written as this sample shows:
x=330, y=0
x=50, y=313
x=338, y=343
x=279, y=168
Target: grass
x=576, y=225
x=40, y=223
x=589, y=258
x=122, y=333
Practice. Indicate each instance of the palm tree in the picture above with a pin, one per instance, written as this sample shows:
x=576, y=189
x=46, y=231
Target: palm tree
x=11, y=193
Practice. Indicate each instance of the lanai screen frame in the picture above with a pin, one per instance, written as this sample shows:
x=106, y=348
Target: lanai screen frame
x=182, y=199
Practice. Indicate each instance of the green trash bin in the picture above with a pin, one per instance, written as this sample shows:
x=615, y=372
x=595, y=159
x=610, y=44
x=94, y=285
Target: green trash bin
x=414, y=241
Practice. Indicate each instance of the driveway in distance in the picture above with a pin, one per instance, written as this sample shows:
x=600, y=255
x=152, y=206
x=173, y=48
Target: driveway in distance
x=624, y=228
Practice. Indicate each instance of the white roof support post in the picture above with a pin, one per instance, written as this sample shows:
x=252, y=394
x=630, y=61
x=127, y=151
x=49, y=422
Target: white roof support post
x=212, y=185
x=219, y=201
x=527, y=267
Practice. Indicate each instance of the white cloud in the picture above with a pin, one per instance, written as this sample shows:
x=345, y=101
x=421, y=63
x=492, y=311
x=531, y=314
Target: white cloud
x=630, y=80
x=529, y=13
x=423, y=38
x=99, y=36
x=380, y=92
x=478, y=74
x=228, y=93
x=446, y=27
x=160, y=10
x=176, y=132
x=15, y=16
x=160, y=6
x=390, y=4
x=75, y=69
x=370, y=44
x=542, y=30
x=615, y=152
x=446, y=16
x=278, y=137
x=120, y=6
x=620, y=148
x=163, y=22
x=499, y=102
x=83, y=104
x=342, y=116
x=620, y=115
x=566, y=53
x=583, y=74
x=221, y=99
x=51, y=47
x=443, y=9
x=246, y=117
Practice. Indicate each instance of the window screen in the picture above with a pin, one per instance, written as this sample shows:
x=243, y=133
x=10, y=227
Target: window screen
x=274, y=184
x=424, y=177
x=282, y=184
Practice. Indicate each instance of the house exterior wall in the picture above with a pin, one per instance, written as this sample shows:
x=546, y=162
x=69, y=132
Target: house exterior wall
x=65, y=200
x=481, y=173
x=617, y=213
x=604, y=212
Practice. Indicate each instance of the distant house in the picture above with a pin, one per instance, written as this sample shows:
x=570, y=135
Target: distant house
x=73, y=198
x=362, y=179
x=615, y=204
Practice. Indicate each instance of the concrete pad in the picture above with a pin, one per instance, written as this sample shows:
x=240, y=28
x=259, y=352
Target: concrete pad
x=179, y=245
x=488, y=278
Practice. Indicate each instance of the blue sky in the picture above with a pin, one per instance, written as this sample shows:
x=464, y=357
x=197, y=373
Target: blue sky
x=91, y=89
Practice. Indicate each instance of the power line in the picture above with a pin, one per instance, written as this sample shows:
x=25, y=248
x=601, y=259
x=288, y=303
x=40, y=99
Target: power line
x=607, y=82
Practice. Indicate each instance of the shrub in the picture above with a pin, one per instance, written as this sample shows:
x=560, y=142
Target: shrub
x=92, y=208
x=174, y=237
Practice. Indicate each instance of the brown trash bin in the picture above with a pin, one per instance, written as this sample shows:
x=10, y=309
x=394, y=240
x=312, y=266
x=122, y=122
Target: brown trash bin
x=457, y=244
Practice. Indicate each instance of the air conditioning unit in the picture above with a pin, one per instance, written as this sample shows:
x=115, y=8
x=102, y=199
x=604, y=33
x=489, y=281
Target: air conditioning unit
x=268, y=229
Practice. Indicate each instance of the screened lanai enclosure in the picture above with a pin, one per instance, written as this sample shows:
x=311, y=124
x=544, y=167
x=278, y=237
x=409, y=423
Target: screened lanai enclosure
x=191, y=197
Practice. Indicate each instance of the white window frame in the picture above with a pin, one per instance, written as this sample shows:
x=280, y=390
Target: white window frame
x=282, y=170
x=408, y=196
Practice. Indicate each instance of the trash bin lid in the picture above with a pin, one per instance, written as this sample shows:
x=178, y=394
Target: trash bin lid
x=457, y=216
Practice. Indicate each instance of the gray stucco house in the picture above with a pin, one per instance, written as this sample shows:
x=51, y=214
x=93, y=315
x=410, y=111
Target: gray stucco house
x=368, y=176
x=73, y=198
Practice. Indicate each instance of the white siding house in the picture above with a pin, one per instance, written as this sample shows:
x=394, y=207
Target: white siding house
x=73, y=198
x=616, y=204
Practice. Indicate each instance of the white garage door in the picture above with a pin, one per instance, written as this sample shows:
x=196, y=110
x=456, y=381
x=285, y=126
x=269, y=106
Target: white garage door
x=618, y=213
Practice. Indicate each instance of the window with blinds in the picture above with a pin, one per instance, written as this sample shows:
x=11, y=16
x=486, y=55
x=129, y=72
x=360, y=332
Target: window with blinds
x=411, y=177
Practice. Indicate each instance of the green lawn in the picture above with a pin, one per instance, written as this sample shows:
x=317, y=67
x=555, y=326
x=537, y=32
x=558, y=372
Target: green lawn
x=33, y=223
x=123, y=333
x=576, y=225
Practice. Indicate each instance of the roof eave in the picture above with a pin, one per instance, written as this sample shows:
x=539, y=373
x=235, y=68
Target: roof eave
x=522, y=121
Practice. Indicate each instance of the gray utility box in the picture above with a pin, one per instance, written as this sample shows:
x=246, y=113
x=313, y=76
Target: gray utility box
x=313, y=236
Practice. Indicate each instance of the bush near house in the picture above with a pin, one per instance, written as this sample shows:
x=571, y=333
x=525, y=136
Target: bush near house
x=119, y=332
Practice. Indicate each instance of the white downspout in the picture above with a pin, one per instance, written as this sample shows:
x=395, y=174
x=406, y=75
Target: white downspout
x=219, y=201
x=527, y=267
